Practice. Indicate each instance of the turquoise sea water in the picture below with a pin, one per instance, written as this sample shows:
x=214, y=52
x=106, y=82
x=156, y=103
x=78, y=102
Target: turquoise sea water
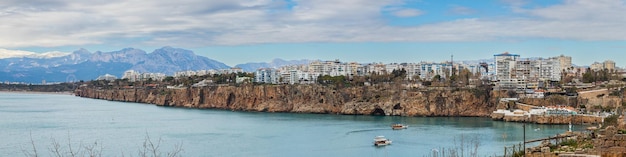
x=121, y=128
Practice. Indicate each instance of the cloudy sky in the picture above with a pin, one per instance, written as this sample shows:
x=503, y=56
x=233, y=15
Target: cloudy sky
x=239, y=31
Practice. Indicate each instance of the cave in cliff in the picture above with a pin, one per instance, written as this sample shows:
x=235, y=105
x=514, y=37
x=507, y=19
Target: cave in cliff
x=378, y=112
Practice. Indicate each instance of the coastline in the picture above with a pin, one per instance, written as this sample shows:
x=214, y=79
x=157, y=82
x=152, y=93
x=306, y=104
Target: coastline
x=36, y=92
x=368, y=100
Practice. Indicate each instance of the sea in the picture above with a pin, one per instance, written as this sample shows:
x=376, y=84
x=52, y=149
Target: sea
x=48, y=122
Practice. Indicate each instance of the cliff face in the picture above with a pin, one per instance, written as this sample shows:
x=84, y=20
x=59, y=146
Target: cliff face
x=312, y=99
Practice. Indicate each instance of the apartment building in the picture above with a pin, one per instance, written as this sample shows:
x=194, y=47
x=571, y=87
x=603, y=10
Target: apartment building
x=267, y=75
x=512, y=72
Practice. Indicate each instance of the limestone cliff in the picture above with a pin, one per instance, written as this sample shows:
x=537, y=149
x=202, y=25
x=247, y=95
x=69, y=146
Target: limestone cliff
x=367, y=100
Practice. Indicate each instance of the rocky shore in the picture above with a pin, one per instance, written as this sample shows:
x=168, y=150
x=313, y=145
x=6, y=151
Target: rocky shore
x=365, y=100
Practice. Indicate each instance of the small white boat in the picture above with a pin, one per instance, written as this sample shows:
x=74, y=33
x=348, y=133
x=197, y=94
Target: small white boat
x=398, y=126
x=381, y=141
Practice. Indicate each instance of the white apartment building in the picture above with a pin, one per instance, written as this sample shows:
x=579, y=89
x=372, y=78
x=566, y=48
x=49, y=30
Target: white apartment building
x=134, y=76
x=514, y=73
x=550, y=69
x=429, y=70
x=131, y=75
x=323, y=68
x=185, y=73
x=206, y=72
x=372, y=68
x=393, y=66
x=505, y=63
x=412, y=70
x=298, y=77
x=334, y=68
x=355, y=69
x=339, y=69
x=267, y=75
x=153, y=76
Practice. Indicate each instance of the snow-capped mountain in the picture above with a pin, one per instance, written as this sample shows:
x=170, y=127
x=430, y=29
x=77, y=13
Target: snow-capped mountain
x=4, y=53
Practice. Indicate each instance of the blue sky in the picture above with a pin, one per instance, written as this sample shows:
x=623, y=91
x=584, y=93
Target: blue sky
x=240, y=31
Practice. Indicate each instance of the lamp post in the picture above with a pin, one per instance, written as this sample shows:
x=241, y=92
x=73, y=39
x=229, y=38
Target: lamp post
x=524, y=141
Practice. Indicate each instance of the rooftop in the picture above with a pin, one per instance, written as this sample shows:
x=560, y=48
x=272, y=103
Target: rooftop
x=506, y=54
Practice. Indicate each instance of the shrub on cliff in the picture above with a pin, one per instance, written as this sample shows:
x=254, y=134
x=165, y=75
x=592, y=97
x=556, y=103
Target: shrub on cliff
x=610, y=120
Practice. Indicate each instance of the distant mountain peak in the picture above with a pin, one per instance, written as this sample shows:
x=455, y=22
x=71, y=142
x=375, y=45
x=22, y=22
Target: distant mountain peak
x=5, y=53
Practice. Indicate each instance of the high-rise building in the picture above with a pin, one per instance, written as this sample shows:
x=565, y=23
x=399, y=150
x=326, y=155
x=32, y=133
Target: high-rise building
x=609, y=65
x=505, y=63
x=565, y=62
x=267, y=75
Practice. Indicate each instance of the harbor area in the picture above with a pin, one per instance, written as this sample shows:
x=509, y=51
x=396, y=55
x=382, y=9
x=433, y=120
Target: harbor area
x=519, y=112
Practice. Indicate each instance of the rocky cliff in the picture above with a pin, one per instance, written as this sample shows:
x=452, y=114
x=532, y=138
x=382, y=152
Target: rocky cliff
x=368, y=100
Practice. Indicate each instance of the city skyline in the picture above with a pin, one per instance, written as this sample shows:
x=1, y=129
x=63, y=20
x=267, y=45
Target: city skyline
x=389, y=31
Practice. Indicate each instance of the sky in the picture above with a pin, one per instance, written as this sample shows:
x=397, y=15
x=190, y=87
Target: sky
x=388, y=31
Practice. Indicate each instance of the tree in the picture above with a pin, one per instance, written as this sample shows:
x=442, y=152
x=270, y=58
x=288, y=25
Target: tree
x=464, y=76
x=399, y=73
x=588, y=76
x=168, y=79
x=338, y=81
x=437, y=78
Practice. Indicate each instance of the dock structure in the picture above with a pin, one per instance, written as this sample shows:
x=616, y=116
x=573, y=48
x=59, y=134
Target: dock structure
x=543, y=115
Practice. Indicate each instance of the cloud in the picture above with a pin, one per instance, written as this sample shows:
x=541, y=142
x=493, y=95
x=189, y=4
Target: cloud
x=461, y=10
x=198, y=23
x=515, y=3
x=407, y=13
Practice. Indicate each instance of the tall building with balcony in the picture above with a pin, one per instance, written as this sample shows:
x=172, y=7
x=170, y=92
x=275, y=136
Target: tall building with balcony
x=505, y=63
x=505, y=66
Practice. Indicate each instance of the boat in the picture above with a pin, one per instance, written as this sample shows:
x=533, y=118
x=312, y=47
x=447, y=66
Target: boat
x=381, y=141
x=398, y=126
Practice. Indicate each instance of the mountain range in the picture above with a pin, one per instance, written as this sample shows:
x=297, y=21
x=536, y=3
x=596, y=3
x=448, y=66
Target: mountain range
x=84, y=65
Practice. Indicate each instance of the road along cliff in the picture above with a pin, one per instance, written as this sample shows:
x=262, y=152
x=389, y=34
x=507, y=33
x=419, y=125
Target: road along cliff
x=365, y=100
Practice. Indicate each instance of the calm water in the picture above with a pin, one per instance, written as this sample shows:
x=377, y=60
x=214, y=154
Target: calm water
x=122, y=127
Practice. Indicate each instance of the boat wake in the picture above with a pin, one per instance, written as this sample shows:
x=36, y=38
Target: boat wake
x=365, y=130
